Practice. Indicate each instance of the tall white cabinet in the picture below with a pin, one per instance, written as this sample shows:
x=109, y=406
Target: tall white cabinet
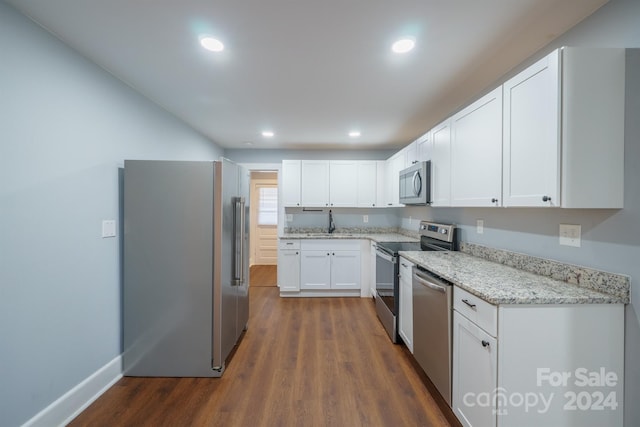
x=476, y=152
x=441, y=164
x=564, y=131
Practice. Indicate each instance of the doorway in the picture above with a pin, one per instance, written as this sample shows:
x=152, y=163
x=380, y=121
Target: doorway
x=263, y=237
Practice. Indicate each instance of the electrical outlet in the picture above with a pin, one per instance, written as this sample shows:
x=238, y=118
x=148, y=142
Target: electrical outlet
x=365, y=218
x=108, y=228
x=289, y=217
x=480, y=226
x=570, y=235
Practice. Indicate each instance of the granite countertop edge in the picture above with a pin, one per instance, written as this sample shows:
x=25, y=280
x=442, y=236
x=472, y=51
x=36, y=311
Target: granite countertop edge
x=498, y=284
x=378, y=237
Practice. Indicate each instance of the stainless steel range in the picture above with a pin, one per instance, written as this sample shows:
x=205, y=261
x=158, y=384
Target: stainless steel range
x=434, y=237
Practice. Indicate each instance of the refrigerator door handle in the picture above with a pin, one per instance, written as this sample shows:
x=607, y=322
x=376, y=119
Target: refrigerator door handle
x=238, y=223
x=242, y=239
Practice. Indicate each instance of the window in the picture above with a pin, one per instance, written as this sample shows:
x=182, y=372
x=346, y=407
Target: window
x=268, y=206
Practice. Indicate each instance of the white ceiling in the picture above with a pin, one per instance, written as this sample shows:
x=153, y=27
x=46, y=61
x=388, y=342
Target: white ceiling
x=311, y=71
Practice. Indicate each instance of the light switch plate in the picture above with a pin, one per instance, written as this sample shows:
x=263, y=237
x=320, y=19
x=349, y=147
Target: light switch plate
x=570, y=235
x=480, y=226
x=108, y=228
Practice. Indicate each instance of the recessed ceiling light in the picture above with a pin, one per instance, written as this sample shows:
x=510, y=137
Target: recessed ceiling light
x=209, y=43
x=354, y=134
x=403, y=45
x=267, y=134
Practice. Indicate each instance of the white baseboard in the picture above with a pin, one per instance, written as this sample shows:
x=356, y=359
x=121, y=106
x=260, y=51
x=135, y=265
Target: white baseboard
x=72, y=403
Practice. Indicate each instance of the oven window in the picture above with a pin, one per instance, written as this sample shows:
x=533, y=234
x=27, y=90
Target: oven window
x=385, y=282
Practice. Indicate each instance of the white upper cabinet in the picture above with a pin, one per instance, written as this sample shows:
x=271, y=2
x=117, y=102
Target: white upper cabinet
x=476, y=151
x=564, y=131
x=315, y=183
x=291, y=183
x=424, y=147
x=367, y=175
x=343, y=183
x=410, y=154
x=394, y=165
x=441, y=164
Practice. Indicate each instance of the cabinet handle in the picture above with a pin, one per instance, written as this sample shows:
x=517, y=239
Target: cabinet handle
x=494, y=200
x=546, y=198
x=485, y=343
x=297, y=253
x=404, y=265
x=327, y=253
x=468, y=303
x=333, y=253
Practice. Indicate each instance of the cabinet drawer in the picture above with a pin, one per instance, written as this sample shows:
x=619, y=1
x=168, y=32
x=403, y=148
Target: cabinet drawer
x=476, y=309
x=330, y=245
x=288, y=244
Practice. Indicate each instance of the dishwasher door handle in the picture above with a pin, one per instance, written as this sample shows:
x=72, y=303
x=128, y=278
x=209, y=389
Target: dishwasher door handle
x=428, y=283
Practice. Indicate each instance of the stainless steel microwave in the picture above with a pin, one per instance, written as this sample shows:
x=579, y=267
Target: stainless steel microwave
x=415, y=184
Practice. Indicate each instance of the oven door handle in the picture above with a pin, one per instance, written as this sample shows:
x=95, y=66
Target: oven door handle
x=386, y=256
x=428, y=283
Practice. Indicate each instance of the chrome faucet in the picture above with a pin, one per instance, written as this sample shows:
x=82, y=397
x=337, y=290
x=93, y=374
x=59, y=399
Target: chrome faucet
x=332, y=226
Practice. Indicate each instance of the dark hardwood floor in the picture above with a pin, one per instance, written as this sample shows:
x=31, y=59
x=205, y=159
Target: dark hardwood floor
x=302, y=362
x=263, y=275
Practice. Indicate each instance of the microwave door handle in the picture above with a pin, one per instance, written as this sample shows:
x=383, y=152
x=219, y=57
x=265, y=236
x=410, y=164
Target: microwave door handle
x=417, y=183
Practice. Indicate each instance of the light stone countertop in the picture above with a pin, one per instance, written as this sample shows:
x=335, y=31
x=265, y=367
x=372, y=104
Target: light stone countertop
x=376, y=237
x=500, y=284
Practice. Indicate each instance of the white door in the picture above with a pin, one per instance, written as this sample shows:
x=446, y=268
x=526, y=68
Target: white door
x=441, y=164
x=264, y=218
x=476, y=151
x=345, y=270
x=291, y=182
x=315, y=269
x=475, y=373
x=531, y=154
x=343, y=183
x=406, y=303
x=367, y=184
x=315, y=183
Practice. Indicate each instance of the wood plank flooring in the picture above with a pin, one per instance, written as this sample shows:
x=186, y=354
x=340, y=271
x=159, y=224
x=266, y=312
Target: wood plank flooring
x=263, y=275
x=302, y=362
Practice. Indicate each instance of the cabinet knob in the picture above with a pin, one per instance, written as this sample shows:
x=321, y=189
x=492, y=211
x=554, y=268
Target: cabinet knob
x=297, y=253
x=485, y=343
x=546, y=198
x=327, y=253
x=494, y=200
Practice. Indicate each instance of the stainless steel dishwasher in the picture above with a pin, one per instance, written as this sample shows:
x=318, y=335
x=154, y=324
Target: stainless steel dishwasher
x=432, y=299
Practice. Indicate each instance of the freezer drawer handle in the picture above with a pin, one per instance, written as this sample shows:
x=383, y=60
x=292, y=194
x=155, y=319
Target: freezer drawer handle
x=466, y=301
x=428, y=283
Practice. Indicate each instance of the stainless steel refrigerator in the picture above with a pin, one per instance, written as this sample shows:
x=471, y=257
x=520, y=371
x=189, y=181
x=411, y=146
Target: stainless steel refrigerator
x=186, y=270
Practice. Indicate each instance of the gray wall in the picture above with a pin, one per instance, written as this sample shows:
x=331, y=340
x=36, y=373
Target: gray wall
x=610, y=238
x=65, y=128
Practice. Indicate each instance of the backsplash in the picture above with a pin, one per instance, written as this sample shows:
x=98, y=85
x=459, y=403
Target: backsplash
x=601, y=281
x=353, y=230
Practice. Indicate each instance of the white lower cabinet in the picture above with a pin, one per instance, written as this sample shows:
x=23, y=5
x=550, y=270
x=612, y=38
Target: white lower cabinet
x=532, y=365
x=475, y=371
x=406, y=303
x=329, y=267
x=289, y=265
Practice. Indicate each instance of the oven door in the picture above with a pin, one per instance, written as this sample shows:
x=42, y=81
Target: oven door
x=387, y=292
x=386, y=273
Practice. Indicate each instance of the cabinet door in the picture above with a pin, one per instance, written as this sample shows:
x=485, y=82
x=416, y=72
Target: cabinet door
x=315, y=269
x=345, y=269
x=315, y=183
x=343, y=183
x=367, y=184
x=410, y=154
x=291, y=182
x=406, y=303
x=441, y=165
x=531, y=152
x=289, y=270
x=394, y=165
x=475, y=375
x=424, y=147
x=476, y=151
